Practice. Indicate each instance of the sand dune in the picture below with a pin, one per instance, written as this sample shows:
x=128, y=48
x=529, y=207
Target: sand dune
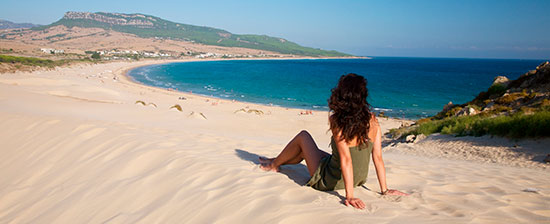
x=66, y=156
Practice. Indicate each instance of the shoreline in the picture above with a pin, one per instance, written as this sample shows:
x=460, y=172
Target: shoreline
x=128, y=78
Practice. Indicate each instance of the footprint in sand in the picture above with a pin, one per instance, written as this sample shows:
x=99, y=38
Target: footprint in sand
x=197, y=115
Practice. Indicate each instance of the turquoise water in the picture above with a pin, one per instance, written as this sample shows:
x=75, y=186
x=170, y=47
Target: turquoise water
x=401, y=87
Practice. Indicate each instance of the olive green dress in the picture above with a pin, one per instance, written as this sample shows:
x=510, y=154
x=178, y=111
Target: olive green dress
x=328, y=175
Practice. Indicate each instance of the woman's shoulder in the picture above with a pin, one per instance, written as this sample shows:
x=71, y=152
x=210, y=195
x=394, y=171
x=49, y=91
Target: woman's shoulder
x=374, y=126
x=373, y=121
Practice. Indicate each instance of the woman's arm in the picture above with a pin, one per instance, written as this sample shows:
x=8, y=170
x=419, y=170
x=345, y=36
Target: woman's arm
x=377, y=159
x=347, y=171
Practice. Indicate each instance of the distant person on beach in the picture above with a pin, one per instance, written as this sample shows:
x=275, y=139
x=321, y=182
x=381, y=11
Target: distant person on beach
x=356, y=136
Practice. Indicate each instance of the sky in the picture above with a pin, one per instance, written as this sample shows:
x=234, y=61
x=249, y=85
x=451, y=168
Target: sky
x=439, y=28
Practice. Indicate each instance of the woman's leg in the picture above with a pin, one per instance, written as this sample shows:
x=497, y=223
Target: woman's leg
x=299, y=148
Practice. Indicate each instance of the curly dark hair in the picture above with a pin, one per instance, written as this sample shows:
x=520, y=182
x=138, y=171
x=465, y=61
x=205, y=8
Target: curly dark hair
x=350, y=111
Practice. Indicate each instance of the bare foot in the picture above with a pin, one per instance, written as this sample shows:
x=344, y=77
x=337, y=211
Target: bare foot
x=268, y=166
x=265, y=159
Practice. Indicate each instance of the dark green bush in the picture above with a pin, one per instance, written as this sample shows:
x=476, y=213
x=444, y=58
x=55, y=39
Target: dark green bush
x=96, y=55
x=496, y=89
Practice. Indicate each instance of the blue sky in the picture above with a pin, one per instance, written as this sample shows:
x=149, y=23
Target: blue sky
x=439, y=28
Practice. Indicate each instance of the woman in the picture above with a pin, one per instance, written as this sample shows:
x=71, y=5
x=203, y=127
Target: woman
x=355, y=136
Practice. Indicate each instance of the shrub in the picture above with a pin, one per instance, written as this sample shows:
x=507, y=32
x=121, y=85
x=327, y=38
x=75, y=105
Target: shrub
x=452, y=111
x=496, y=89
x=501, y=108
x=424, y=120
x=519, y=125
x=510, y=98
x=26, y=60
x=96, y=55
x=30, y=61
x=476, y=107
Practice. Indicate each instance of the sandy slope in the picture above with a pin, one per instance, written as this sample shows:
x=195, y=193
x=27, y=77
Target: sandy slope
x=78, y=40
x=74, y=147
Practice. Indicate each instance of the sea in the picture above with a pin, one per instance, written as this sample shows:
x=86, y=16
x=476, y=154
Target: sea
x=409, y=88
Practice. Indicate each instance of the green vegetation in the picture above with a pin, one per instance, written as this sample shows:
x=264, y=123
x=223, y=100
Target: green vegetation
x=155, y=27
x=529, y=124
x=30, y=61
x=96, y=55
x=56, y=36
x=496, y=89
x=521, y=109
x=3, y=50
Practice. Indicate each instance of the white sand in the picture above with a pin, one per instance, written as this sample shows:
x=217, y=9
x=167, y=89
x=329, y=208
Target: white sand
x=75, y=148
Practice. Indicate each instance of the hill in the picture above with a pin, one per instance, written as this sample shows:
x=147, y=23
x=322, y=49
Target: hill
x=525, y=94
x=147, y=26
x=511, y=108
x=4, y=24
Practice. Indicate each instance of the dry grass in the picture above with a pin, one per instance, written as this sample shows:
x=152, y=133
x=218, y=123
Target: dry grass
x=177, y=106
x=141, y=102
x=146, y=104
x=257, y=112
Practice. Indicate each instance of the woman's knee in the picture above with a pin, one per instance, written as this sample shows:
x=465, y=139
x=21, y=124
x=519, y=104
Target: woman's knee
x=304, y=134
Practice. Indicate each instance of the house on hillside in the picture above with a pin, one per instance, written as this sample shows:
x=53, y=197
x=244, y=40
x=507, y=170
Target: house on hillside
x=52, y=51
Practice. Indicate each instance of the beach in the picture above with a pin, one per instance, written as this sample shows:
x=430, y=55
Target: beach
x=85, y=144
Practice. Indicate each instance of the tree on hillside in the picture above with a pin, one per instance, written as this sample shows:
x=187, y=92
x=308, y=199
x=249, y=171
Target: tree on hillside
x=96, y=55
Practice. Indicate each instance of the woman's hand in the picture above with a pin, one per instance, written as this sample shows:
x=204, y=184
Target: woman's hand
x=355, y=202
x=395, y=192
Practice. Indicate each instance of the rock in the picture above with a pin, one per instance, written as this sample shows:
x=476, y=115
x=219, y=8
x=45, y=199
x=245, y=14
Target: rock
x=466, y=111
x=409, y=139
x=547, y=159
x=537, y=80
x=501, y=80
x=472, y=111
x=448, y=106
x=419, y=138
x=489, y=106
x=542, y=65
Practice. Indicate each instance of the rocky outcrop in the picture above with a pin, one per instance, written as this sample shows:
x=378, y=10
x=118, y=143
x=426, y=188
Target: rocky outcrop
x=501, y=80
x=467, y=111
x=138, y=20
x=527, y=93
x=537, y=80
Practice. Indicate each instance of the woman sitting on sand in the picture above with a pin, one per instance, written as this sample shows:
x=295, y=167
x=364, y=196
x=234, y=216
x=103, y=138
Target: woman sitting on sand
x=355, y=136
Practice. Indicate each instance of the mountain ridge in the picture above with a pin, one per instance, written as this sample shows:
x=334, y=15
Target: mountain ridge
x=148, y=26
x=5, y=24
